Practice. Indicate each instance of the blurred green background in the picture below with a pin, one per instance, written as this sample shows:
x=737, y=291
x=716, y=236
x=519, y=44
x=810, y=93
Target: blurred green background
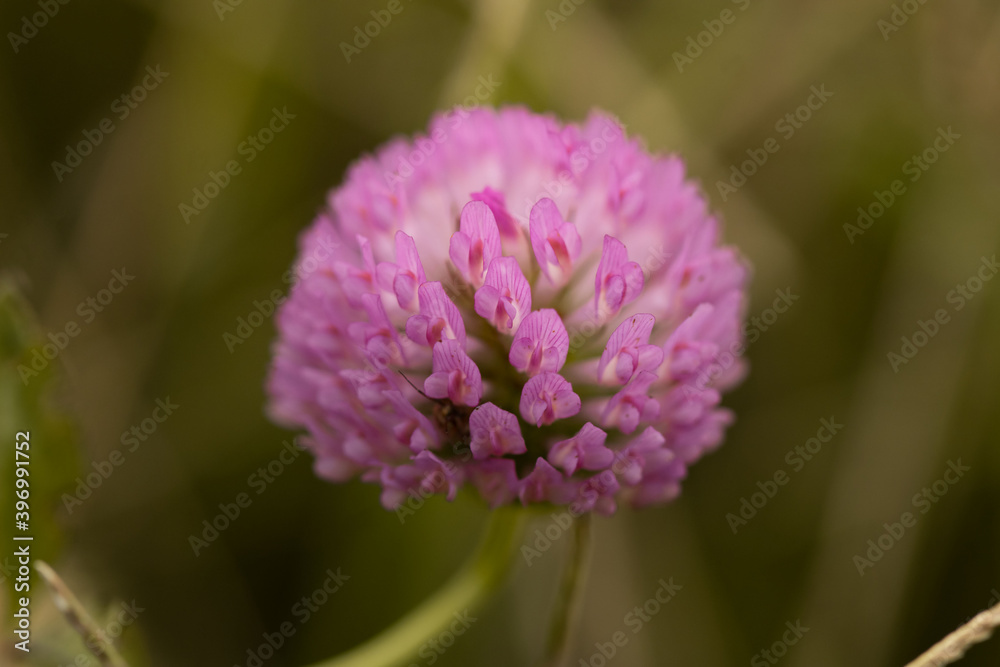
x=228, y=64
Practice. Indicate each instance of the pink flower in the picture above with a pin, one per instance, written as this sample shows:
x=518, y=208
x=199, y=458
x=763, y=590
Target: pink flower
x=548, y=397
x=555, y=242
x=597, y=493
x=505, y=299
x=476, y=244
x=632, y=404
x=628, y=351
x=405, y=275
x=446, y=331
x=509, y=228
x=540, y=344
x=494, y=432
x=426, y=476
x=455, y=375
x=545, y=484
x=584, y=450
x=618, y=280
x=437, y=320
x=650, y=469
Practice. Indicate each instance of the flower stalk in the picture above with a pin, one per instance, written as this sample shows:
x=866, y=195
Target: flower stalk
x=468, y=589
x=567, y=608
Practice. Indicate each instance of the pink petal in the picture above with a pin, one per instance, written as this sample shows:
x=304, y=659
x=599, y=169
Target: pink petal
x=505, y=298
x=436, y=384
x=378, y=337
x=439, y=477
x=647, y=447
x=628, y=351
x=584, y=450
x=632, y=404
x=708, y=277
x=407, y=258
x=618, y=281
x=366, y=254
x=418, y=423
x=548, y=397
x=521, y=351
x=545, y=484
x=439, y=319
x=409, y=272
x=425, y=475
x=455, y=377
x=555, y=242
x=369, y=384
x=625, y=193
x=385, y=273
x=540, y=344
x=597, y=494
x=689, y=349
x=404, y=286
x=358, y=281
x=403, y=277
x=458, y=252
x=495, y=200
x=565, y=455
x=494, y=432
x=476, y=244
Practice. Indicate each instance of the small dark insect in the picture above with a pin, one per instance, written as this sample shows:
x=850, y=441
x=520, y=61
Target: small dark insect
x=451, y=420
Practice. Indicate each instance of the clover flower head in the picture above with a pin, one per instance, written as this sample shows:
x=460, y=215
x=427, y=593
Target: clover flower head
x=541, y=311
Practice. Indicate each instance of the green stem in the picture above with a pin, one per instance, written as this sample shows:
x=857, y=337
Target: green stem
x=567, y=603
x=468, y=589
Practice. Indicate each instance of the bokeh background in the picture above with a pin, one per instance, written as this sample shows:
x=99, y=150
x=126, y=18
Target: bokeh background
x=230, y=63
